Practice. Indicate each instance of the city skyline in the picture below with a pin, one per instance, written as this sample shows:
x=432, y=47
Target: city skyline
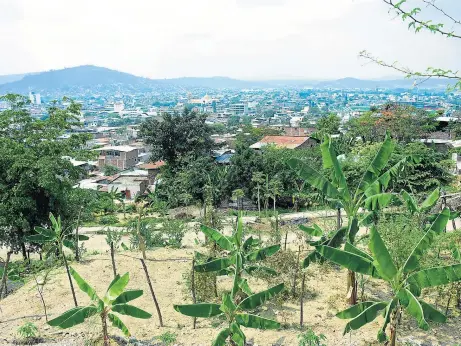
x=249, y=40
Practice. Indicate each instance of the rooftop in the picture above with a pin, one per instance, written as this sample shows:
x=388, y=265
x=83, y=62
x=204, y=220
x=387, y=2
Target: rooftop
x=280, y=142
x=124, y=148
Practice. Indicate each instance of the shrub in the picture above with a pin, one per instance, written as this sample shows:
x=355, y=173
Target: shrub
x=167, y=338
x=28, y=333
x=108, y=220
x=309, y=338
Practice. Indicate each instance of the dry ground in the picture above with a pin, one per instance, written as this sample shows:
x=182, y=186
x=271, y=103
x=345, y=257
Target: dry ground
x=326, y=286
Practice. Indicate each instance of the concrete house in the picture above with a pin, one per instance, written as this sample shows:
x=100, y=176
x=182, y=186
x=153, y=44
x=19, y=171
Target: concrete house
x=121, y=156
x=289, y=142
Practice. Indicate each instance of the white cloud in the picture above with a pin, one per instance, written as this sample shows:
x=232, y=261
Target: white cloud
x=237, y=38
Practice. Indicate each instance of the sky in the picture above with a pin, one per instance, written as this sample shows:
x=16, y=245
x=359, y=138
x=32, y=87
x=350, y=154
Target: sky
x=246, y=39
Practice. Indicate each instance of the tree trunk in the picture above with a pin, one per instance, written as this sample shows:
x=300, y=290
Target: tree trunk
x=295, y=276
x=286, y=239
x=104, y=330
x=393, y=327
x=112, y=256
x=142, y=245
x=259, y=204
x=352, y=288
x=77, y=256
x=5, y=271
x=70, y=277
x=338, y=218
x=301, y=300
x=448, y=304
x=192, y=285
x=152, y=292
x=274, y=204
x=23, y=250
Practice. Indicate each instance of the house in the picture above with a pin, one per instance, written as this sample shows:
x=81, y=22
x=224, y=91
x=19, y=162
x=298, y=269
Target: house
x=288, y=142
x=153, y=169
x=121, y=156
x=131, y=183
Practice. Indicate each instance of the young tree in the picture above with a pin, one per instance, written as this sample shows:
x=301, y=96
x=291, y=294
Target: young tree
x=258, y=179
x=109, y=170
x=327, y=125
x=406, y=282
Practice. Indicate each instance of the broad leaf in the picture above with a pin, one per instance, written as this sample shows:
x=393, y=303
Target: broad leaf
x=214, y=265
x=251, y=269
x=431, y=313
x=252, y=321
x=239, y=233
x=117, y=287
x=410, y=202
x=116, y=322
x=430, y=200
x=379, y=161
x=313, y=257
x=415, y=309
x=248, y=243
x=314, y=231
x=382, y=259
x=84, y=285
x=237, y=335
x=441, y=221
x=127, y=296
x=46, y=232
x=199, y=310
x=387, y=318
x=354, y=310
x=261, y=254
x=227, y=306
x=38, y=238
x=353, y=230
x=69, y=244
x=434, y=277
x=243, y=284
x=378, y=201
x=82, y=237
x=260, y=298
x=221, y=338
x=338, y=237
x=130, y=310
x=352, y=249
x=73, y=317
x=313, y=178
x=367, y=316
x=220, y=239
x=348, y=260
x=330, y=160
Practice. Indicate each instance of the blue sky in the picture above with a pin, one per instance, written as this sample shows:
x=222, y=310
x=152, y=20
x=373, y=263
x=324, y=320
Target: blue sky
x=250, y=39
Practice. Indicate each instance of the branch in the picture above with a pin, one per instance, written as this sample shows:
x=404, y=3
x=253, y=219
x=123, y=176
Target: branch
x=431, y=3
x=431, y=72
x=416, y=23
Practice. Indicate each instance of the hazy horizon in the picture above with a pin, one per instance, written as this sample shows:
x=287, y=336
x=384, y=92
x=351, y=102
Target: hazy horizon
x=240, y=39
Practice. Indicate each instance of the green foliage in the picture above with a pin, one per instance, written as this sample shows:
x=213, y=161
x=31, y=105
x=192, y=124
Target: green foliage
x=28, y=331
x=327, y=125
x=108, y=220
x=115, y=300
x=109, y=170
x=157, y=232
x=167, y=338
x=309, y=338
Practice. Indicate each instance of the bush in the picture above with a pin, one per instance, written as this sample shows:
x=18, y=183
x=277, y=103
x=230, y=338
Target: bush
x=28, y=333
x=108, y=220
x=309, y=338
x=167, y=338
x=158, y=232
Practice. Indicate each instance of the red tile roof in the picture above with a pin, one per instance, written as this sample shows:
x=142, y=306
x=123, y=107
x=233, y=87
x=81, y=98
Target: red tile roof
x=152, y=165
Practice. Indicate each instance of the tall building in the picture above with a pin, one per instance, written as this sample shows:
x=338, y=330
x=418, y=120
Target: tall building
x=38, y=99
x=119, y=106
x=238, y=108
x=32, y=97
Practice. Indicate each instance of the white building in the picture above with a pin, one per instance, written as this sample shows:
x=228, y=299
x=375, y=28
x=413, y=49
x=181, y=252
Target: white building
x=38, y=99
x=119, y=106
x=238, y=108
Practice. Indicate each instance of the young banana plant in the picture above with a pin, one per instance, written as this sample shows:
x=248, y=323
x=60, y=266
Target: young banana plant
x=422, y=209
x=57, y=238
x=369, y=194
x=115, y=300
x=406, y=282
x=242, y=256
x=234, y=314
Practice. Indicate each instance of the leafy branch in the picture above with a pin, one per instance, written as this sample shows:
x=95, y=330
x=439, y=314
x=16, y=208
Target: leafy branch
x=431, y=3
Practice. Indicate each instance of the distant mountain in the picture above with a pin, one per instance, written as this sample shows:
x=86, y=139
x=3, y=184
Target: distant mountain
x=94, y=79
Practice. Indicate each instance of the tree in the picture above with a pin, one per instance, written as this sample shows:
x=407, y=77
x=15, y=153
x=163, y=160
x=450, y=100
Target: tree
x=115, y=300
x=417, y=20
x=177, y=136
x=406, y=282
x=109, y=170
x=237, y=196
x=327, y=125
x=258, y=179
x=57, y=237
x=275, y=188
x=369, y=193
x=35, y=178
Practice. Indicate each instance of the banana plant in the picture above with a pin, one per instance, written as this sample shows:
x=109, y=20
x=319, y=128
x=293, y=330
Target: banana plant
x=115, y=300
x=422, y=209
x=57, y=238
x=406, y=282
x=234, y=313
x=368, y=195
x=242, y=256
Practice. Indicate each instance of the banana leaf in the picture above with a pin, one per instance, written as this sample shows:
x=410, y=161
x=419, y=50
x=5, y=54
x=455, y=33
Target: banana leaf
x=434, y=277
x=46, y=232
x=260, y=298
x=130, y=310
x=415, y=309
x=117, y=287
x=253, y=321
x=431, y=313
x=199, y=310
x=84, y=285
x=243, y=284
x=251, y=269
x=378, y=201
x=215, y=265
x=73, y=317
x=127, y=296
x=261, y=254
x=354, y=311
x=430, y=200
x=387, y=318
x=221, y=338
x=237, y=335
x=352, y=249
x=116, y=322
x=367, y=316
x=220, y=239
x=382, y=259
x=353, y=230
x=409, y=202
x=378, y=163
x=314, y=231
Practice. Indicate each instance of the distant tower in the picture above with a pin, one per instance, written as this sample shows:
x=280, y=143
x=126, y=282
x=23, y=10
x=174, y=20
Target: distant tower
x=31, y=97
x=38, y=99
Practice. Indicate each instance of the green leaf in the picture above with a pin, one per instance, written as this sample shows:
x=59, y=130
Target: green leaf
x=116, y=322
x=379, y=162
x=130, y=310
x=199, y=310
x=38, y=238
x=260, y=298
x=353, y=230
x=261, y=254
x=239, y=233
x=412, y=263
x=354, y=310
x=227, y=306
x=378, y=201
x=73, y=317
x=237, y=335
x=248, y=243
x=353, y=262
x=313, y=257
x=430, y=200
x=382, y=259
x=338, y=237
x=314, y=231
x=352, y=249
x=251, y=269
x=434, y=277
x=330, y=160
x=415, y=309
x=313, y=178
x=243, y=284
x=214, y=265
x=431, y=313
x=69, y=244
x=82, y=237
x=410, y=202
x=124, y=247
x=46, y=232
x=127, y=296
x=367, y=316
x=221, y=338
x=220, y=239
x=117, y=287
x=387, y=318
x=253, y=321
x=84, y=285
